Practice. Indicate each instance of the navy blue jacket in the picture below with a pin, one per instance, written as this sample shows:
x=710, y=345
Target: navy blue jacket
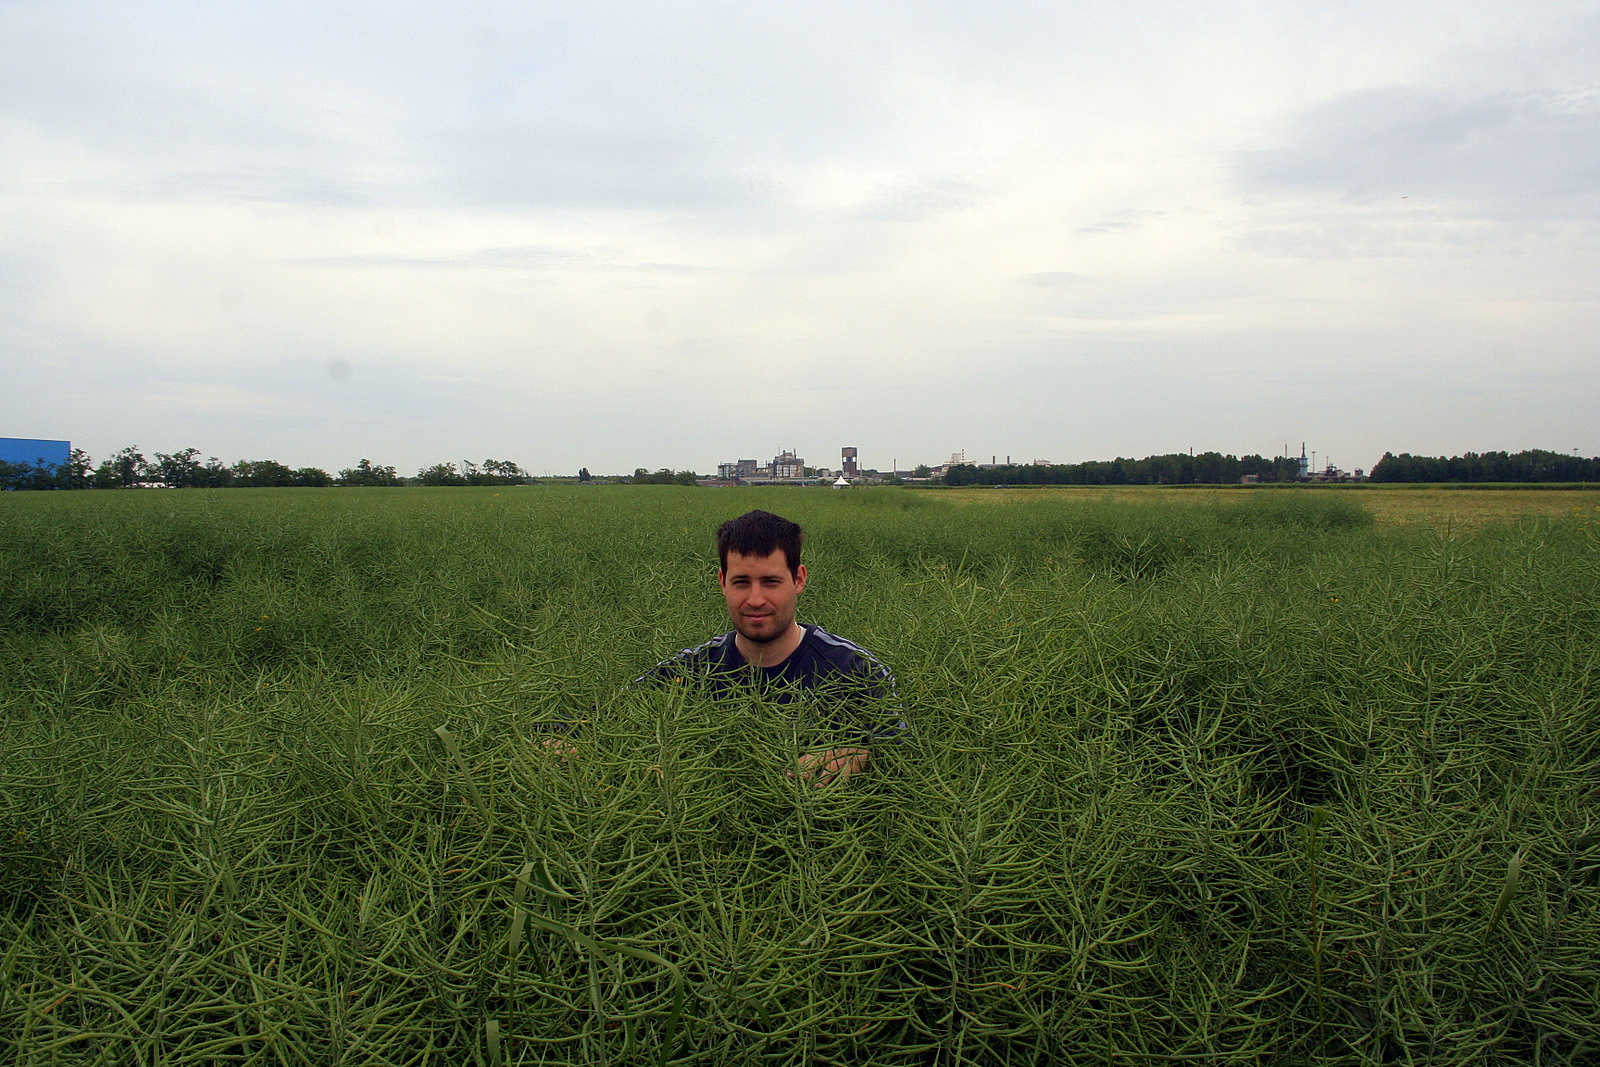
x=849, y=681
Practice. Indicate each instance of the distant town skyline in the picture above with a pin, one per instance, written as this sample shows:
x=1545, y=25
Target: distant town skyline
x=785, y=464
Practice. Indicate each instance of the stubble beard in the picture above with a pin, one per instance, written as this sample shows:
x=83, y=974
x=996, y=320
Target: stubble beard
x=742, y=625
x=774, y=629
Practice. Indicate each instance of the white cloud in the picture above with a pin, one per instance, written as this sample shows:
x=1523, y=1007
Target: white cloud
x=1518, y=153
x=207, y=398
x=616, y=235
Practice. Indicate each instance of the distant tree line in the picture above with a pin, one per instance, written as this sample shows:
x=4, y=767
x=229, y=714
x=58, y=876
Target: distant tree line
x=492, y=472
x=1536, y=465
x=1179, y=468
x=664, y=476
x=128, y=468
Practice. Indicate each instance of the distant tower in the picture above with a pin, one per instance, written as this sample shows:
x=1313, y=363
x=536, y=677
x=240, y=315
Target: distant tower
x=849, y=464
x=1305, y=464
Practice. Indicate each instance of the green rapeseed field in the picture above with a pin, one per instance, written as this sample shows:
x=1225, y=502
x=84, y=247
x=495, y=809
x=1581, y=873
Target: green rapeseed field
x=1240, y=778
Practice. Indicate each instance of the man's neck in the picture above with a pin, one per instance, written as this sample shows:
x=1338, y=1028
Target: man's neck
x=771, y=653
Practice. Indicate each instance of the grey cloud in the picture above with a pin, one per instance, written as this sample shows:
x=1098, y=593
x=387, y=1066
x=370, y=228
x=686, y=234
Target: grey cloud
x=158, y=184
x=912, y=200
x=668, y=268
x=519, y=257
x=268, y=183
x=182, y=105
x=1050, y=279
x=526, y=257
x=1514, y=153
x=648, y=109
x=1389, y=236
x=1122, y=221
x=515, y=166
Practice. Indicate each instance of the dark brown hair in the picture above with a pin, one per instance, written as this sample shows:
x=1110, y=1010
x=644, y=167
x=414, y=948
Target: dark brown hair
x=760, y=533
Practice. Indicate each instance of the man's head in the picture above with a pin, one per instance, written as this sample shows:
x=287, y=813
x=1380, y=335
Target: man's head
x=761, y=575
x=760, y=533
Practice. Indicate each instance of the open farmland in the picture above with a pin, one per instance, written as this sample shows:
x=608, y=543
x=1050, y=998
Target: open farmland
x=1444, y=506
x=1244, y=777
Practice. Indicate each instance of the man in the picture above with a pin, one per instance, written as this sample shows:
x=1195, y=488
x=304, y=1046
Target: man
x=761, y=578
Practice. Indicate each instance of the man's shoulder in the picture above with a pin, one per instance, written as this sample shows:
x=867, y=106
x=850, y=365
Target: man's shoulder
x=841, y=653
x=715, y=649
x=714, y=655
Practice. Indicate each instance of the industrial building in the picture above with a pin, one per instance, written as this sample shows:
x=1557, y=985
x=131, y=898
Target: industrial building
x=788, y=465
x=26, y=452
x=784, y=467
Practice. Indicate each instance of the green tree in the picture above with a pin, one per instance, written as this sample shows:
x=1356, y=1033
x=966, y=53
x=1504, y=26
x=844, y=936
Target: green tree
x=664, y=476
x=1533, y=465
x=496, y=472
x=312, y=476
x=584, y=475
x=365, y=473
x=216, y=474
x=262, y=473
x=125, y=469
x=27, y=476
x=441, y=474
x=78, y=472
x=180, y=470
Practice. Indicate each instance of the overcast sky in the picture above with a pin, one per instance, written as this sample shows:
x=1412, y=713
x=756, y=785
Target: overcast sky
x=618, y=235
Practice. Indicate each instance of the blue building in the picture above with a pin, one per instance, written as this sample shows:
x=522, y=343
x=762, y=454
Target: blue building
x=23, y=452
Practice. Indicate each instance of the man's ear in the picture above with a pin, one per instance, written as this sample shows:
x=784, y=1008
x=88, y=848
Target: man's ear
x=799, y=578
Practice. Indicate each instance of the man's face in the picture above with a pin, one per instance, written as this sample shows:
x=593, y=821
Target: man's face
x=761, y=593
